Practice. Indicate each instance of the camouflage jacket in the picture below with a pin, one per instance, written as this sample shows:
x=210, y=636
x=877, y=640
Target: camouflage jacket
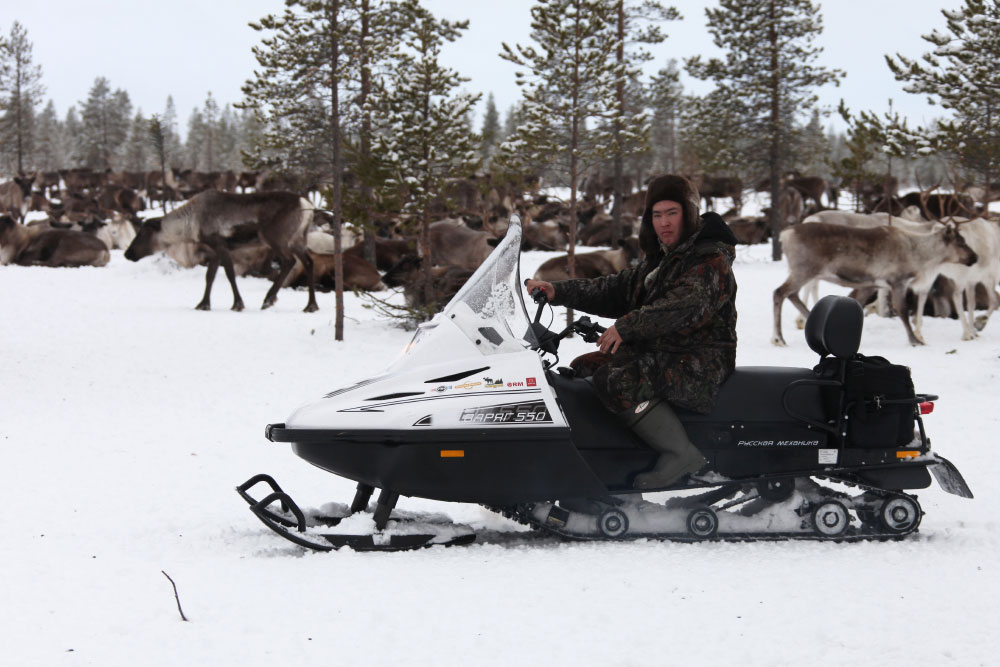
x=678, y=333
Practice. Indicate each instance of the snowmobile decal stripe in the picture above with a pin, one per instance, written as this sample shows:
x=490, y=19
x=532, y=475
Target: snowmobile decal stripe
x=457, y=376
x=377, y=407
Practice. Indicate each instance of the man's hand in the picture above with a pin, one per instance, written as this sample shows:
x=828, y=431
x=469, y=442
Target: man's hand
x=610, y=340
x=547, y=287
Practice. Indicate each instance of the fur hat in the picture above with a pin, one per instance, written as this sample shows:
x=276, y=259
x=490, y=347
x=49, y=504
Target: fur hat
x=669, y=187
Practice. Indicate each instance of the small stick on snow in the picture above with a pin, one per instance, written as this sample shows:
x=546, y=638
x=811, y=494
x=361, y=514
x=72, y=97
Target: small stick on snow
x=176, y=597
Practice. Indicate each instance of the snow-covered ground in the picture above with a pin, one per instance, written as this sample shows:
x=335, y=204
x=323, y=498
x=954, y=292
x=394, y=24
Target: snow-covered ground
x=127, y=417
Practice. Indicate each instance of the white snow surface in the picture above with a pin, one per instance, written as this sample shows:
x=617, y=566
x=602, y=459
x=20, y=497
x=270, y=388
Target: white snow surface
x=127, y=418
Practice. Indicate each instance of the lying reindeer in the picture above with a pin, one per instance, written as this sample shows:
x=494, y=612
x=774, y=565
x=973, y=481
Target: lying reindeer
x=279, y=219
x=49, y=247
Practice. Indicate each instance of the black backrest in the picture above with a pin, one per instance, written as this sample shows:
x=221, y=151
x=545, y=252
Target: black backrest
x=834, y=327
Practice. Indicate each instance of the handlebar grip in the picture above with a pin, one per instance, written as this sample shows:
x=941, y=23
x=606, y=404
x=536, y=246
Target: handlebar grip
x=538, y=296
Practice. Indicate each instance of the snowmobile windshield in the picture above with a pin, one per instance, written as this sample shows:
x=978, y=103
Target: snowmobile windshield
x=489, y=310
x=490, y=306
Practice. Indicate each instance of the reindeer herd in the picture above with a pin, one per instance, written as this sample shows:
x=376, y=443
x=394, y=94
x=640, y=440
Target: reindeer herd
x=920, y=253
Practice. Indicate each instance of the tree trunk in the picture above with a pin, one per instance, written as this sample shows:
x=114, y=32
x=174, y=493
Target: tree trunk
x=367, y=223
x=775, y=132
x=619, y=186
x=573, y=159
x=338, y=170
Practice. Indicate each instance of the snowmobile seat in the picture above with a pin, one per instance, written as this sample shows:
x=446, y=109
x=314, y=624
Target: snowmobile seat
x=764, y=394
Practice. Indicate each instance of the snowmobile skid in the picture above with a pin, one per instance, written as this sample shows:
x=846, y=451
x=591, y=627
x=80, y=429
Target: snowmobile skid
x=394, y=531
x=475, y=411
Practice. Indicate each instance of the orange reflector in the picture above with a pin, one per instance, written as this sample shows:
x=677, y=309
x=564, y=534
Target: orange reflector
x=927, y=407
x=907, y=455
x=452, y=453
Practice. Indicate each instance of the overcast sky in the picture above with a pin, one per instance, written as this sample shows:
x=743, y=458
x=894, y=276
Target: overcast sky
x=188, y=48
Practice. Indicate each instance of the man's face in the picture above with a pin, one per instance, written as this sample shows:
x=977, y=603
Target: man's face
x=668, y=220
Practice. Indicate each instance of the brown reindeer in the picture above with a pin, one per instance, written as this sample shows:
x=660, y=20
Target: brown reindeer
x=866, y=257
x=445, y=282
x=591, y=264
x=387, y=251
x=49, y=247
x=713, y=187
x=279, y=219
x=814, y=187
x=454, y=244
x=15, y=196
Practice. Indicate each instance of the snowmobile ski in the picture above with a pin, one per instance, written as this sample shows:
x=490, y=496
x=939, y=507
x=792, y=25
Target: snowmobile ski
x=400, y=531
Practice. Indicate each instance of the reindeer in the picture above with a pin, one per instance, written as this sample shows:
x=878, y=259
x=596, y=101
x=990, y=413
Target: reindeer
x=881, y=257
x=591, y=264
x=983, y=236
x=279, y=219
x=15, y=196
x=49, y=247
x=814, y=187
x=445, y=281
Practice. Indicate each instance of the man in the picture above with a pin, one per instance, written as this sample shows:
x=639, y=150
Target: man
x=674, y=338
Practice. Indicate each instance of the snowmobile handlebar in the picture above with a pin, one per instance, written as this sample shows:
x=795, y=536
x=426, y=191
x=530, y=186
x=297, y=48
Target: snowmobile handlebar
x=548, y=341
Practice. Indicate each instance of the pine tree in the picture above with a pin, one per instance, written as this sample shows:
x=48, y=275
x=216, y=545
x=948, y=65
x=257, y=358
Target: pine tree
x=106, y=118
x=136, y=155
x=636, y=25
x=173, y=149
x=69, y=139
x=811, y=150
x=208, y=151
x=20, y=93
x=373, y=36
x=769, y=67
x=569, y=81
x=716, y=138
x=49, y=154
x=961, y=75
x=227, y=131
x=301, y=95
x=195, y=139
x=665, y=97
x=490, y=134
x=158, y=137
x=426, y=132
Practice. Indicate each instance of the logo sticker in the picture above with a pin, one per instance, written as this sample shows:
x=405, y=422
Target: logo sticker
x=442, y=388
x=533, y=412
x=493, y=384
x=515, y=384
x=642, y=406
x=468, y=385
x=531, y=382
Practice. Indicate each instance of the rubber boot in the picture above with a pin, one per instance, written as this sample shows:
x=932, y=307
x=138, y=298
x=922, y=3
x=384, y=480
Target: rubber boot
x=658, y=426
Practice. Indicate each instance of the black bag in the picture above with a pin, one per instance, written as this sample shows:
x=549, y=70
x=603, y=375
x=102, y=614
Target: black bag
x=879, y=402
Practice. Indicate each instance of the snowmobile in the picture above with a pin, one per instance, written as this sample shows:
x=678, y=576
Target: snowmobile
x=476, y=410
